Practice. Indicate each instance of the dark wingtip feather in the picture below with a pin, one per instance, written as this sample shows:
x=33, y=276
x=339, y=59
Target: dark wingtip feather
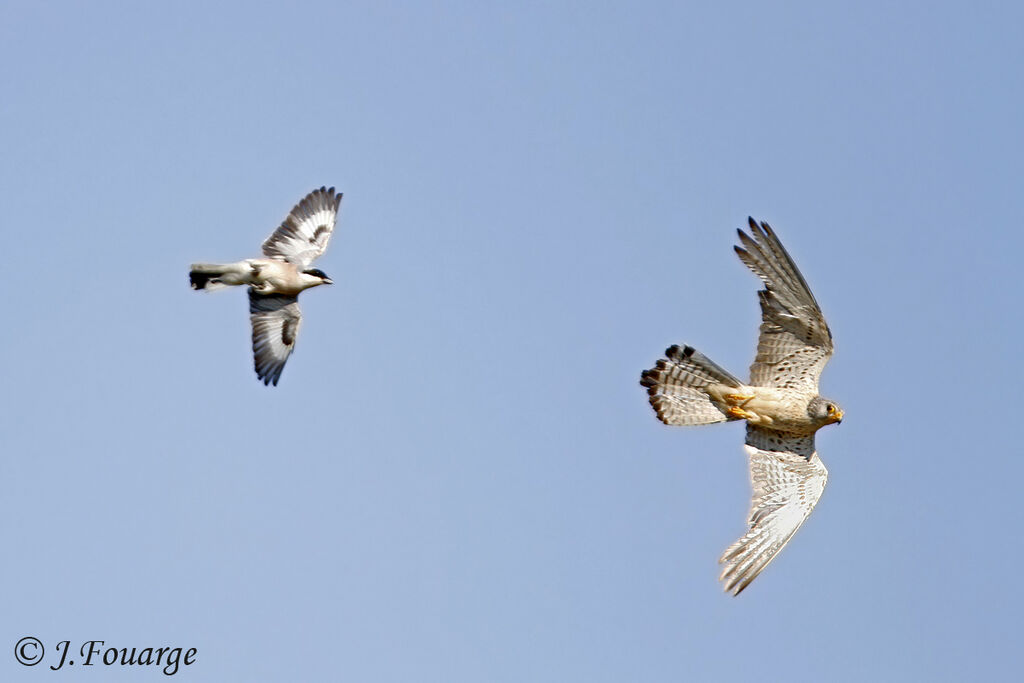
x=676, y=352
x=749, y=242
x=268, y=378
x=757, y=230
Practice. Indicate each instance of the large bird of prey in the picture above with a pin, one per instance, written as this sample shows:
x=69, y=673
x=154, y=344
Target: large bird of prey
x=276, y=280
x=780, y=404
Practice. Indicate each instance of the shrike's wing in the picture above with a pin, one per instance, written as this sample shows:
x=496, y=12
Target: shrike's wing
x=304, y=234
x=788, y=478
x=275, y=324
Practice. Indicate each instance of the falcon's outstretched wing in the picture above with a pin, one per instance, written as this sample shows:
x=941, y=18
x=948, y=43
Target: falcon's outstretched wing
x=305, y=232
x=788, y=479
x=275, y=324
x=795, y=341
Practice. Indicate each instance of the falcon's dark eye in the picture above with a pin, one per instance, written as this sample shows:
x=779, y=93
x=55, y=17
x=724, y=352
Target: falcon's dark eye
x=830, y=408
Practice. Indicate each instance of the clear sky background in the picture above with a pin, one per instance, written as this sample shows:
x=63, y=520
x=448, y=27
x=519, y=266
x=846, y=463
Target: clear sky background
x=459, y=478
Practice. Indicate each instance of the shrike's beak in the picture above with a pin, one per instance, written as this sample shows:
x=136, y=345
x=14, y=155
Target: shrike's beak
x=328, y=281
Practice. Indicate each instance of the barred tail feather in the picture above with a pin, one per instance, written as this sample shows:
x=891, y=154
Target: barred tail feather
x=677, y=387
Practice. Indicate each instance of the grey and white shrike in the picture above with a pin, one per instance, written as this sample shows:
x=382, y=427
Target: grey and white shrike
x=276, y=280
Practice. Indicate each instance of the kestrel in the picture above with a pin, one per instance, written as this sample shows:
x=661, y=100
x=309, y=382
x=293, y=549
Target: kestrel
x=275, y=281
x=780, y=404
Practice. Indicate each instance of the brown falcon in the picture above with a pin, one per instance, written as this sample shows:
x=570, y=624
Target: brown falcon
x=780, y=404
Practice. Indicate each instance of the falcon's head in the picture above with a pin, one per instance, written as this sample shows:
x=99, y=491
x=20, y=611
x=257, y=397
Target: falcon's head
x=824, y=411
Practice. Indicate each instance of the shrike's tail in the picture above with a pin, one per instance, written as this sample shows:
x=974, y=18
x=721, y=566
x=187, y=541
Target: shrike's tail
x=205, y=276
x=678, y=387
x=211, y=276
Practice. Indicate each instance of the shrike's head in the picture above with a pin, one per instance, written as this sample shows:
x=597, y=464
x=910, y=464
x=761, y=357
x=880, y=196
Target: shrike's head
x=311, y=277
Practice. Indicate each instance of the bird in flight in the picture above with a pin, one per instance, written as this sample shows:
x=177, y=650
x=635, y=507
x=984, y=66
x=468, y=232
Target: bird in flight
x=780, y=404
x=276, y=280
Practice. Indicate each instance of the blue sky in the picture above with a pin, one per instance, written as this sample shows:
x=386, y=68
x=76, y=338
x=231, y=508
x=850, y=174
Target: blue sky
x=458, y=477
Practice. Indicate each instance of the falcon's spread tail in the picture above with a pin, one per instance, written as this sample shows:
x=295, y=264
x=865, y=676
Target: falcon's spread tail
x=678, y=387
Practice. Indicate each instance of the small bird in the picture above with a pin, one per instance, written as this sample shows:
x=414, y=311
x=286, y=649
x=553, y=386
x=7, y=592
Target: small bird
x=780, y=404
x=276, y=280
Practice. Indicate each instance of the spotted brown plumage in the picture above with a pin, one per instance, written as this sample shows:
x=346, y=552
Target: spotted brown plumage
x=780, y=404
x=795, y=342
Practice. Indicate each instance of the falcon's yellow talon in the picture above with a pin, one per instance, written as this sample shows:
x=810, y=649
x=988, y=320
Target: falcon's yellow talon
x=737, y=398
x=740, y=413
